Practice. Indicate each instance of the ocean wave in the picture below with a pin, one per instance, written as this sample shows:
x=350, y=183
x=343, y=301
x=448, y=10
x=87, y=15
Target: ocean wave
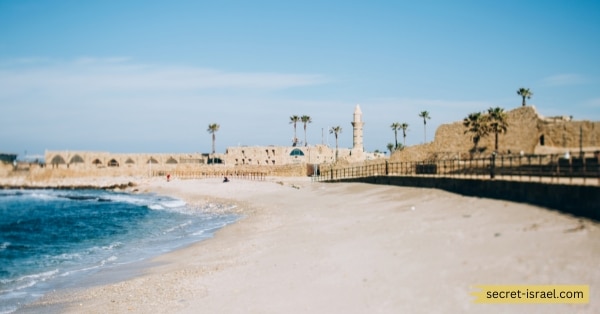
x=198, y=233
x=172, y=205
x=112, y=246
x=135, y=199
x=4, y=246
x=111, y=258
x=41, y=195
x=27, y=280
x=102, y=263
x=68, y=256
x=85, y=198
x=180, y=226
x=7, y=193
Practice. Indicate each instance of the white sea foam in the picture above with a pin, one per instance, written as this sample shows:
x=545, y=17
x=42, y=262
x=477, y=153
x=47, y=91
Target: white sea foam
x=180, y=226
x=112, y=258
x=173, y=203
x=68, y=256
x=114, y=245
x=4, y=246
x=42, y=195
x=127, y=198
x=198, y=233
x=102, y=263
x=27, y=280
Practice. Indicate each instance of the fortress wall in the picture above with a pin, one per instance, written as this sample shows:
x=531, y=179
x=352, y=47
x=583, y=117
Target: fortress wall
x=522, y=135
x=525, y=128
x=281, y=155
x=5, y=169
x=567, y=133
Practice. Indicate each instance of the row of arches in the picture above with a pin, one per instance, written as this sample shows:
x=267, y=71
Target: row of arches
x=77, y=159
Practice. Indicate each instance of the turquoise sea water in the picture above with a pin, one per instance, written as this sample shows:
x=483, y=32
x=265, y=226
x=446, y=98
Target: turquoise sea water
x=53, y=238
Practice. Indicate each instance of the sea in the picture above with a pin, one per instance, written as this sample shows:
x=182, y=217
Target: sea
x=55, y=239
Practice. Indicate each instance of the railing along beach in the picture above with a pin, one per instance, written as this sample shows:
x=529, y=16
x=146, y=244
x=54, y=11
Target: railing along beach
x=564, y=169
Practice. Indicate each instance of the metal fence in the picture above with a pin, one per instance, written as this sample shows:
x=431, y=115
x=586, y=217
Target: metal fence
x=581, y=169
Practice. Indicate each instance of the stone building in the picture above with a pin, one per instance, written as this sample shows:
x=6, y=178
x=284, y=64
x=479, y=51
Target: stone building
x=264, y=156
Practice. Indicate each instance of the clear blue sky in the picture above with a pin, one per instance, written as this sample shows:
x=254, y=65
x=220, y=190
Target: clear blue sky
x=149, y=76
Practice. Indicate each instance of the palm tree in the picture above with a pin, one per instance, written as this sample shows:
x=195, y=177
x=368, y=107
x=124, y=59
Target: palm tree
x=425, y=116
x=305, y=119
x=293, y=120
x=395, y=127
x=525, y=93
x=212, y=129
x=497, y=123
x=390, y=147
x=335, y=130
x=476, y=123
x=404, y=127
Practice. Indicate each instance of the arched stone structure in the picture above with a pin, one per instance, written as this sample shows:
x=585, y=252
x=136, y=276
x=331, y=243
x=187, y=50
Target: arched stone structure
x=58, y=160
x=76, y=159
x=113, y=163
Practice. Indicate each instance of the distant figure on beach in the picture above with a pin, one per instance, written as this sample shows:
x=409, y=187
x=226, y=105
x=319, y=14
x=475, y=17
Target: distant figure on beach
x=225, y=180
x=168, y=177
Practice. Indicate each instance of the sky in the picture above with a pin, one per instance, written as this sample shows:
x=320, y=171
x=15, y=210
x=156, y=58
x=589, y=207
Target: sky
x=150, y=76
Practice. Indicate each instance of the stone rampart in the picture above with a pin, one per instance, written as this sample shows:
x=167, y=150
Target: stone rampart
x=527, y=132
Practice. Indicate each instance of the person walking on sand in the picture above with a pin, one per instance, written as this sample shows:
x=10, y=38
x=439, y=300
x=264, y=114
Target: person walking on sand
x=168, y=177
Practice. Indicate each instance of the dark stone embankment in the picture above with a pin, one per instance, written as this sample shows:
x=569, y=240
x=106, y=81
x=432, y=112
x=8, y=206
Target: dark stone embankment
x=577, y=200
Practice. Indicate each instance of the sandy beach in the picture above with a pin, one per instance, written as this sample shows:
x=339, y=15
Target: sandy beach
x=305, y=247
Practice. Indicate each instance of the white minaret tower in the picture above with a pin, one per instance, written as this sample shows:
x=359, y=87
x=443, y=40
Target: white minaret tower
x=357, y=132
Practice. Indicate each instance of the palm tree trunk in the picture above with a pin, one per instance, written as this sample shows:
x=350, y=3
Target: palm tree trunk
x=496, y=144
x=336, y=147
x=396, y=138
x=305, y=144
x=424, y=132
x=213, y=143
x=523, y=101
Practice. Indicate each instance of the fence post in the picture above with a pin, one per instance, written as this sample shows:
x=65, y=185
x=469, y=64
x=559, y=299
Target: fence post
x=540, y=168
x=492, y=165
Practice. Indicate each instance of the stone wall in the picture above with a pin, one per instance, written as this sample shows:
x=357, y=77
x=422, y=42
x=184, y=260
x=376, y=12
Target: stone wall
x=278, y=155
x=527, y=131
x=583, y=201
x=5, y=169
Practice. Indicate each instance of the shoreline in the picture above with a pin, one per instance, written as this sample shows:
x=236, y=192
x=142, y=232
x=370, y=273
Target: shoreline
x=117, y=186
x=351, y=247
